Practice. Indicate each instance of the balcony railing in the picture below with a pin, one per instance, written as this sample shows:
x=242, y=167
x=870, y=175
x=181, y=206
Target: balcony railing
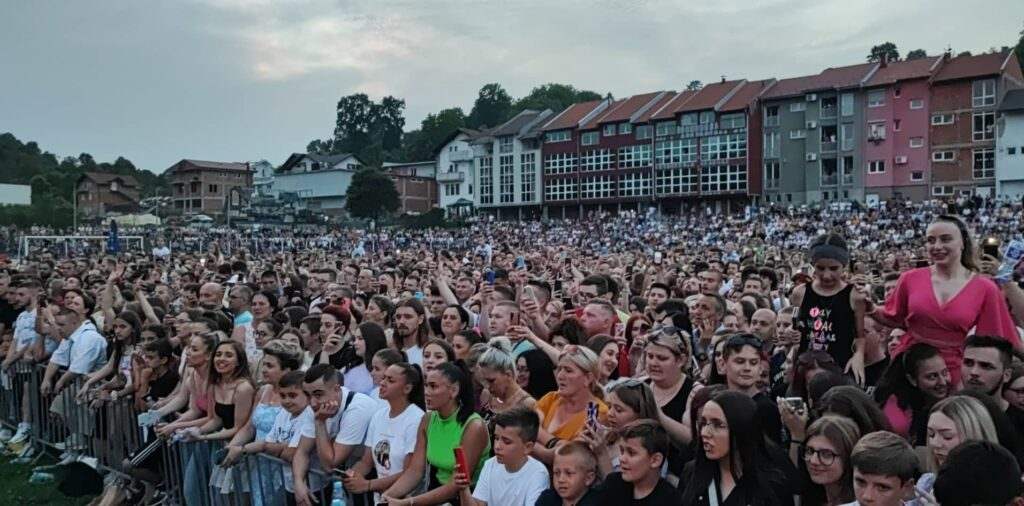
x=451, y=177
x=847, y=179
x=828, y=146
x=829, y=180
x=462, y=155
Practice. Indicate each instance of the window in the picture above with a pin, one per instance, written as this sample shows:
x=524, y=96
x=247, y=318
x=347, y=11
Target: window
x=846, y=104
x=625, y=128
x=707, y=117
x=876, y=131
x=983, y=93
x=828, y=107
x=942, y=190
x=505, y=144
x=610, y=130
x=798, y=134
x=600, y=159
x=876, y=98
x=506, y=179
x=560, y=189
x=733, y=121
x=983, y=123
x=896, y=91
x=723, y=178
x=984, y=163
x=771, y=116
x=876, y=167
x=689, y=119
x=665, y=128
x=829, y=172
x=772, y=175
x=486, y=180
x=916, y=103
x=798, y=106
x=676, y=151
x=847, y=169
x=846, y=135
x=917, y=142
x=676, y=181
x=197, y=203
x=1012, y=150
x=896, y=125
x=597, y=187
x=722, y=147
x=560, y=163
x=942, y=119
x=588, y=138
x=631, y=157
x=451, y=189
x=772, y=143
x=916, y=175
x=942, y=156
x=643, y=132
x=557, y=136
x=634, y=185
x=527, y=176
x=194, y=186
x=211, y=188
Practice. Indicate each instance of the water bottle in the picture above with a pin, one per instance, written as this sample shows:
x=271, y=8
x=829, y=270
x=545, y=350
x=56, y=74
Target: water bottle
x=338, y=496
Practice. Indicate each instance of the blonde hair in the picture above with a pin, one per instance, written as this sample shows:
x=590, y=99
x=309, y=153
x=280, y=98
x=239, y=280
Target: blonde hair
x=970, y=417
x=498, y=356
x=586, y=360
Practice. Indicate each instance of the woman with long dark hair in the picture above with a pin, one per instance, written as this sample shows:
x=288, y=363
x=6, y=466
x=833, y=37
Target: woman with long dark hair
x=367, y=340
x=915, y=380
x=450, y=423
x=732, y=466
x=535, y=373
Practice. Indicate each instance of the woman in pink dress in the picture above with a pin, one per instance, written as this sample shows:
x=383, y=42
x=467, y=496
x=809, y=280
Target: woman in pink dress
x=940, y=304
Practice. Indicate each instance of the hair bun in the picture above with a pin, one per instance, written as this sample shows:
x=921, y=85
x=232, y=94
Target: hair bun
x=500, y=343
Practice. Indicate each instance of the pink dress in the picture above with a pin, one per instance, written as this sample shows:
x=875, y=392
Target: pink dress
x=979, y=305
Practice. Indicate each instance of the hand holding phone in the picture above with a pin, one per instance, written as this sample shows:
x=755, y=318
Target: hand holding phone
x=461, y=465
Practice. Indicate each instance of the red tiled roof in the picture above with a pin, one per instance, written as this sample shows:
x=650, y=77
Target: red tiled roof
x=842, y=77
x=708, y=96
x=964, y=67
x=789, y=87
x=902, y=70
x=204, y=164
x=572, y=115
x=655, y=107
x=743, y=98
x=106, y=177
x=623, y=110
x=597, y=119
x=668, y=110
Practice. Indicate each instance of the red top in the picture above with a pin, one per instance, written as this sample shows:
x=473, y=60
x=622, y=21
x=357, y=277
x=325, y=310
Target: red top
x=979, y=305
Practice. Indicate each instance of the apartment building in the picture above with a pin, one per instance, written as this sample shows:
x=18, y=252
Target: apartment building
x=99, y=193
x=560, y=152
x=456, y=172
x=964, y=93
x=318, y=182
x=1010, y=146
x=205, y=187
x=507, y=159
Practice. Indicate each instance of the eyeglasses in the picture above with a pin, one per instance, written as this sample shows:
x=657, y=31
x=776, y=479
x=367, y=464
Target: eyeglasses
x=826, y=457
x=713, y=426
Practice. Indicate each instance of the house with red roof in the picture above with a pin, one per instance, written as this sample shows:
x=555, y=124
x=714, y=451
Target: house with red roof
x=204, y=187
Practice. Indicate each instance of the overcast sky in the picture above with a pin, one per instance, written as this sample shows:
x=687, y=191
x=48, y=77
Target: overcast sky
x=236, y=80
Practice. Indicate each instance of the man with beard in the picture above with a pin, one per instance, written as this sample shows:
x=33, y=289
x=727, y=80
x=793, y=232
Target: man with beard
x=411, y=330
x=986, y=368
x=25, y=301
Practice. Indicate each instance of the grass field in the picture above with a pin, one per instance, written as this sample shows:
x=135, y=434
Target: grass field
x=15, y=490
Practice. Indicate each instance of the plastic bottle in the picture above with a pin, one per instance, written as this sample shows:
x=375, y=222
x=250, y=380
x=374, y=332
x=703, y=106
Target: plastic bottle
x=338, y=496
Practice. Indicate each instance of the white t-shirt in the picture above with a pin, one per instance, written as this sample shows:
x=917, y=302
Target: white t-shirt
x=415, y=355
x=391, y=439
x=347, y=426
x=287, y=429
x=25, y=330
x=88, y=349
x=498, y=487
x=358, y=378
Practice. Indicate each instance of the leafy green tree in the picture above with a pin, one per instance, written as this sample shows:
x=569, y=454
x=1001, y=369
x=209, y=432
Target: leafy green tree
x=555, y=97
x=887, y=48
x=492, y=107
x=372, y=194
x=917, y=54
x=433, y=129
x=694, y=85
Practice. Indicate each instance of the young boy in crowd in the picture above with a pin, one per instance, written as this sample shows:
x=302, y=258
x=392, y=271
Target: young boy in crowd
x=158, y=379
x=574, y=473
x=511, y=477
x=643, y=446
x=884, y=470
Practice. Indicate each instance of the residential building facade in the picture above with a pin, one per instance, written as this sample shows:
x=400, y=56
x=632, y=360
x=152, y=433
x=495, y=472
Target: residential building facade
x=204, y=187
x=965, y=91
x=317, y=182
x=262, y=177
x=560, y=155
x=416, y=184
x=1010, y=146
x=99, y=193
x=456, y=172
x=508, y=166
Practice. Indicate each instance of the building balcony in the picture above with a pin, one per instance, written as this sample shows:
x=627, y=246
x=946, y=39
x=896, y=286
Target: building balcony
x=829, y=180
x=461, y=155
x=847, y=179
x=828, y=146
x=451, y=177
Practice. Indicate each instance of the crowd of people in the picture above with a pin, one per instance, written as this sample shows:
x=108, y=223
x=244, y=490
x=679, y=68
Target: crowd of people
x=773, y=357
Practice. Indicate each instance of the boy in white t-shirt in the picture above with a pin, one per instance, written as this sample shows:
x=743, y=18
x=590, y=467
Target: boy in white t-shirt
x=511, y=477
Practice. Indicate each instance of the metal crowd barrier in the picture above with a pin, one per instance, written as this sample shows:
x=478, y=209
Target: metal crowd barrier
x=110, y=433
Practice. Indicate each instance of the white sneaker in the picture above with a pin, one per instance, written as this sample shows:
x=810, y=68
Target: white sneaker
x=6, y=435
x=71, y=457
x=24, y=431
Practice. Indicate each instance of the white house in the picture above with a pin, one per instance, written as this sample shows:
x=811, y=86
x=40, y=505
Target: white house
x=455, y=172
x=318, y=182
x=262, y=177
x=1010, y=146
x=508, y=166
